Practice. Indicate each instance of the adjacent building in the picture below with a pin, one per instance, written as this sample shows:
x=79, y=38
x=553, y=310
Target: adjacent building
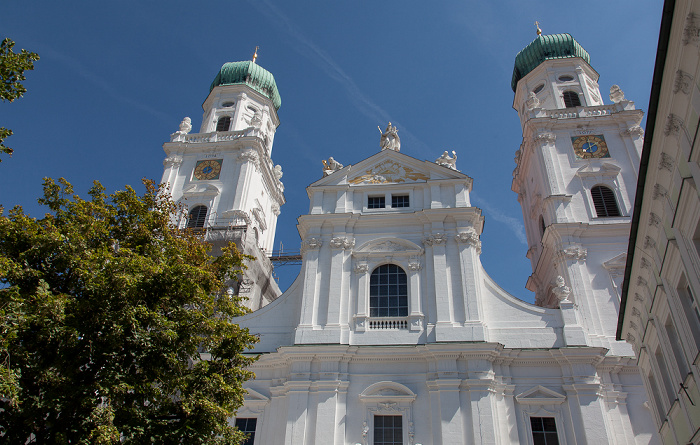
x=660, y=314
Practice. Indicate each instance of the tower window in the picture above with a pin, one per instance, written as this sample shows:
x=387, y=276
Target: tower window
x=544, y=431
x=388, y=292
x=247, y=425
x=538, y=88
x=388, y=430
x=198, y=216
x=223, y=124
x=398, y=201
x=566, y=78
x=375, y=202
x=604, y=202
x=571, y=99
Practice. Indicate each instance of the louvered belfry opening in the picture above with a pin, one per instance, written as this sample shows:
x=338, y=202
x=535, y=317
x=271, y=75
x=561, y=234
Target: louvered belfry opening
x=223, y=124
x=571, y=99
x=198, y=216
x=604, y=201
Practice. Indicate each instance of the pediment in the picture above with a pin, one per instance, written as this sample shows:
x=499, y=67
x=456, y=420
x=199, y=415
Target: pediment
x=252, y=395
x=382, y=245
x=604, y=169
x=387, y=391
x=617, y=262
x=389, y=167
x=200, y=190
x=539, y=395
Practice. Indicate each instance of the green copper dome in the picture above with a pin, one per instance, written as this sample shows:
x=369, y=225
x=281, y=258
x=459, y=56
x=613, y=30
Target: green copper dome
x=251, y=74
x=555, y=46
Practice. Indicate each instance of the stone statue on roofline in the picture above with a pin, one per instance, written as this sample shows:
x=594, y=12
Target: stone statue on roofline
x=390, y=138
x=330, y=166
x=446, y=161
x=616, y=94
x=185, y=126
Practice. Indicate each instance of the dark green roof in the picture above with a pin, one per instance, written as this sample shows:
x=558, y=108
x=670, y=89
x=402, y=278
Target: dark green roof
x=251, y=74
x=555, y=46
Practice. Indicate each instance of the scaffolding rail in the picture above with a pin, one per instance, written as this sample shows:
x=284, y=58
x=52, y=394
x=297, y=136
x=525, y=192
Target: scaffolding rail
x=282, y=258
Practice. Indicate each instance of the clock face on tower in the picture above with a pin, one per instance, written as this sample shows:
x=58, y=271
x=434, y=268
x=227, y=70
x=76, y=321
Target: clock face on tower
x=590, y=146
x=209, y=169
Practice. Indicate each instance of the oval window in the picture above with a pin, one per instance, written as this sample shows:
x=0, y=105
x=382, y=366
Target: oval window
x=566, y=78
x=227, y=104
x=538, y=89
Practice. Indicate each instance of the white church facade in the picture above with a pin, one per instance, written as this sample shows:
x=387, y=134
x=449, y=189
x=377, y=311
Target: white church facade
x=393, y=333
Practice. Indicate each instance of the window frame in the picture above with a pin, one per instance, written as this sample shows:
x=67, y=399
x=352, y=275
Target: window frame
x=254, y=432
x=394, y=427
x=220, y=119
x=544, y=431
x=199, y=217
x=569, y=93
x=381, y=199
x=388, y=398
x=613, y=195
x=402, y=309
x=405, y=197
x=540, y=401
x=388, y=200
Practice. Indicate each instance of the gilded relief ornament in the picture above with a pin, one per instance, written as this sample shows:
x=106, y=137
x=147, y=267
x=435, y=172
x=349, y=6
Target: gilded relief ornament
x=389, y=171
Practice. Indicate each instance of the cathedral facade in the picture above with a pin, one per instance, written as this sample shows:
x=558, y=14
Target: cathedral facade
x=393, y=332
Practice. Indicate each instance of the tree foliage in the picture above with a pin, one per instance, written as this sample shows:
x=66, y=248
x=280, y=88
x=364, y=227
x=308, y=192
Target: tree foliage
x=105, y=311
x=12, y=68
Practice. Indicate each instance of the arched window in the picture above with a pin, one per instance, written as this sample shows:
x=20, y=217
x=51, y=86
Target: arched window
x=604, y=201
x=198, y=216
x=223, y=124
x=388, y=292
x=571, y=99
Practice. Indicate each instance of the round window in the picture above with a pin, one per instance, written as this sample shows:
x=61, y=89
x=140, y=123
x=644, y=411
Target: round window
x=566, y=78
x=227, y=104
x=538, y=89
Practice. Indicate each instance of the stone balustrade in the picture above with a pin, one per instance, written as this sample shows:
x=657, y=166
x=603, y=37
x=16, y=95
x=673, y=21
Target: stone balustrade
x=385, y=323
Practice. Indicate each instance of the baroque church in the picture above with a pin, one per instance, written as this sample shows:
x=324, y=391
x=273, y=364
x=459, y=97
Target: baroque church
x=393, y=332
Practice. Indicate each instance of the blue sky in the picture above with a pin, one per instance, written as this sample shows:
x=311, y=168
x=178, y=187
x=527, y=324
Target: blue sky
x=116, y=78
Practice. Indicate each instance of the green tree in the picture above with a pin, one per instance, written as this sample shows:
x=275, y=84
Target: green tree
x=106, y=309
x=12, y=68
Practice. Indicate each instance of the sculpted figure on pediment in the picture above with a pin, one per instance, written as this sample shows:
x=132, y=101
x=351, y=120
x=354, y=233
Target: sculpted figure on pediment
x=446, y=161
x=390, y=138
x=330, y=166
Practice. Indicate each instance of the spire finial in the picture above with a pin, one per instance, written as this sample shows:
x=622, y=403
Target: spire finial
x=539, y=31
x=255, y=56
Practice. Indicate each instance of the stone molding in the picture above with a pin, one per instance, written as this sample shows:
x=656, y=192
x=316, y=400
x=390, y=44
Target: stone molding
x=683, y=82
x=572, y=253
x=249, y=156
x=691, y=32
x=471, y=237
x=435, y=239
x=673, y=125
x=311, y=243
x=172, y=161
x=342, y=242
x=545, y=138
x=634, y=130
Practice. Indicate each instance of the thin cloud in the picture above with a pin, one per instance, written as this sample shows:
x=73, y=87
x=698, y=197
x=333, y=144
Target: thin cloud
x=98, y=81
x=513, y=224
x=325, y=62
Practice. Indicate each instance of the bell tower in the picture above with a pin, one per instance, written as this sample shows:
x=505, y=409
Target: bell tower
x=575, y=176
x=224, y=175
